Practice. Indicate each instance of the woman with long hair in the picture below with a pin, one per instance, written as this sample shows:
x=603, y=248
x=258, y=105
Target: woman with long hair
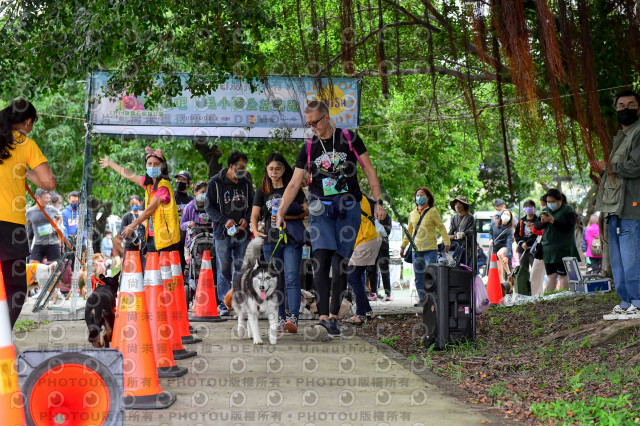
x=163, y=229
x=423, y=222
x=287, y=255
x=20, y=160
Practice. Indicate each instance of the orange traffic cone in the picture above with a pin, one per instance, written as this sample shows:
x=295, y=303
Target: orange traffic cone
x=11, y=402
x=168, y=283
x=160, y=329
x=205, y=307
x=181, y=296
x=494, y=288
x=132, y=335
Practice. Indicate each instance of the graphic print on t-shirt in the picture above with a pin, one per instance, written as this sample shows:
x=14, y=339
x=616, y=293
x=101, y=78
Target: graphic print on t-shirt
x=332, y=163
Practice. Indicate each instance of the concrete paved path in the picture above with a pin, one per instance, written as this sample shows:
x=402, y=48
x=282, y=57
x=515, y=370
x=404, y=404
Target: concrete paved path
x=299, y=381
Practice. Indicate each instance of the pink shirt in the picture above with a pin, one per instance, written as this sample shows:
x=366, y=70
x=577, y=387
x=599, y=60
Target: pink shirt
x=592, y=232
x=162, y=193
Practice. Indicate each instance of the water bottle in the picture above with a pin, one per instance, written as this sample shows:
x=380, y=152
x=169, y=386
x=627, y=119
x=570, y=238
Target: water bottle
x=316, y=208
x=277, y=202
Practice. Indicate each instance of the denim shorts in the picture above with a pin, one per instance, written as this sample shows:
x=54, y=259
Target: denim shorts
x=338, y=235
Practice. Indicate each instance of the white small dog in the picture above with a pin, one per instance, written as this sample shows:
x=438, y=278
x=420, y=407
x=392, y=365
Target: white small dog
x=254, y=292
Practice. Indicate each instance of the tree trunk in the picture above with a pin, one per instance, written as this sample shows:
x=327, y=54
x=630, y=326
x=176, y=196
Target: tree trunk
x=95, y=206
x=210, y=153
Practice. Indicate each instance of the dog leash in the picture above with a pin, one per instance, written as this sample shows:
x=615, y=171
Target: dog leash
x=283, y=235
x=55, y=227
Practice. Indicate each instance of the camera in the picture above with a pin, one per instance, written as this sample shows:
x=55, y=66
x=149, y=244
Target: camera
x=135, y=238
x=341, y=183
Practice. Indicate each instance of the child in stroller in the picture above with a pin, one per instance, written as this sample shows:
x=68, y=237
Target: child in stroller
x=196, y=222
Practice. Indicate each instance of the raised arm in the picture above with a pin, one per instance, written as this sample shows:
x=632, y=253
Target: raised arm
x=125, y=173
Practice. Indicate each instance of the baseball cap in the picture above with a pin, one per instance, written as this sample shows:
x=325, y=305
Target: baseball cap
x=185, y=174
x=499, y=202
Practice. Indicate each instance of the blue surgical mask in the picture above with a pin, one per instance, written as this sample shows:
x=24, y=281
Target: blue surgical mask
x=421, y=200
x=153, y=172
x=553, y=206
x=135, y=208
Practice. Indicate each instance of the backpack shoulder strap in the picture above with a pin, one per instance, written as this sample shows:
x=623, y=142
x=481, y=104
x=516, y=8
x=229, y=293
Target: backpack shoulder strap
x=308, y=147
x=347, y=135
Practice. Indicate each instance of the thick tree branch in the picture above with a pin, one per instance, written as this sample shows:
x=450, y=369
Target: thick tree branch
x=438, y=69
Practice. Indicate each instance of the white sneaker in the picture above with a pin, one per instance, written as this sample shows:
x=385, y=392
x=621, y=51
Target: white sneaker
x=633, y=312
x=616, y=313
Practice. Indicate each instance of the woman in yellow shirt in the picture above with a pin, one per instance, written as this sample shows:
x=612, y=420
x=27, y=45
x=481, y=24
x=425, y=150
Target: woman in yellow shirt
x=424, y=237
x=163, y=230
x=20, y=159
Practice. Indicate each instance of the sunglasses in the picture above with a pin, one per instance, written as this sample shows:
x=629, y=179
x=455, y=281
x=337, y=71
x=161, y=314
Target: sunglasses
x=314, y=123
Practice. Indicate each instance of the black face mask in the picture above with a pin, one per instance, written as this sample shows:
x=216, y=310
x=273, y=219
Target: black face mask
x=182, y=186
x=627, y=116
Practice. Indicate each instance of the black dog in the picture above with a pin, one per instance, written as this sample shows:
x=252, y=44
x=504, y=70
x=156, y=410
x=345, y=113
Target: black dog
x=99, y=311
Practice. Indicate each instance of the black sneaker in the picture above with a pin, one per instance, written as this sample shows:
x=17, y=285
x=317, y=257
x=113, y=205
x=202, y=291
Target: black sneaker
x=333, y=328
x=421, y=303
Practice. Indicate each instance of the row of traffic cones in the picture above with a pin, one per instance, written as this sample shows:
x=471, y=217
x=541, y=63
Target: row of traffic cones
x=154, y=312
x=151, y=312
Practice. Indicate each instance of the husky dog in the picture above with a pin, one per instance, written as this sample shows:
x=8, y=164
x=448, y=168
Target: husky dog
x=254, y=291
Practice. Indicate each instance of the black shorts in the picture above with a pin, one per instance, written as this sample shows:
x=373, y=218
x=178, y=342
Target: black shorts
x=14, y=243
x=50, y=251
x=555, y=268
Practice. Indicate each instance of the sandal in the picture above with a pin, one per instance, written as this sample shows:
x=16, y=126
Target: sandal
x=356, y=320
x=371, y=316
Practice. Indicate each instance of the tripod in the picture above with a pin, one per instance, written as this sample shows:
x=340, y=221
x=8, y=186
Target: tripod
x=47, y=292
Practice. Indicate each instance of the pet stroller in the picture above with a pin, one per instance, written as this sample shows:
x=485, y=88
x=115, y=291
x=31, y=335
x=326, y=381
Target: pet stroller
x=200, y=240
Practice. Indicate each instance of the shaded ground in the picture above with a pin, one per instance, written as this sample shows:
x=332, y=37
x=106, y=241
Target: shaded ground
x=548, y=362
x=298, y=381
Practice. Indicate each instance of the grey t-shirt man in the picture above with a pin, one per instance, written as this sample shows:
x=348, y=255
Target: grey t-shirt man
x=38, y=226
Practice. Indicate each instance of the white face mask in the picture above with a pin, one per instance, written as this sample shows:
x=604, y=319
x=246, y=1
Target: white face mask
x=505, y=218
x=201, y=197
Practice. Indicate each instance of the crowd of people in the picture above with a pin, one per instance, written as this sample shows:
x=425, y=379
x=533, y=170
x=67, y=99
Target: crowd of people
x=318, y=205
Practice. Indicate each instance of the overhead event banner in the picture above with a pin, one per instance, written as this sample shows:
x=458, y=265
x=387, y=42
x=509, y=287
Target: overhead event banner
x=232, y=110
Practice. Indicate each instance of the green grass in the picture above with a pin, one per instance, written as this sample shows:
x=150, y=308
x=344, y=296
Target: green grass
x=595, y=410
x=24, y=325
x=389, y=341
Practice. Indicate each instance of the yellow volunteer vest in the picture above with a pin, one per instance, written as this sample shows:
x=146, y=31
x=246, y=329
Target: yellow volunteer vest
x=166, y=225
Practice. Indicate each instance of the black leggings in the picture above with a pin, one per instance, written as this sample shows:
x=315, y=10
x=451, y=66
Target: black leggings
x=15, y=283
x=382, y=263
x=323, y=261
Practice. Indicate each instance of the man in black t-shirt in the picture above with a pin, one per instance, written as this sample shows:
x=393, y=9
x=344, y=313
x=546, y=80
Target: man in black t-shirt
x=182, y=197
x=331, y=159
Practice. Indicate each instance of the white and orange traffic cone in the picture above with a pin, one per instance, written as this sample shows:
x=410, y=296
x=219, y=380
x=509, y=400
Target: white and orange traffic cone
x=132, y=334
x=494, y=288
x=181, y=297
x=11, y=402
x=158, y=320
x=205, y=307
x=169, y=286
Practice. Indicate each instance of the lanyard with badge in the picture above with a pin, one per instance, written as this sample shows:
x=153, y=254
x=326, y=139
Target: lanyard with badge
x=330, y=185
